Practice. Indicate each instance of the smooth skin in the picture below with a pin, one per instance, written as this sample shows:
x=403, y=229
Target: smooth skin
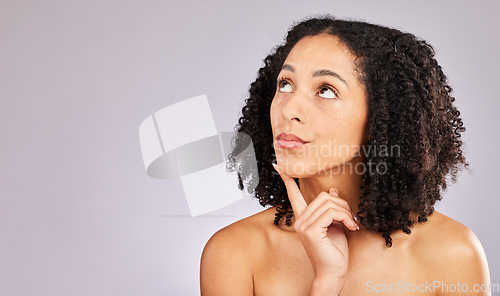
x=321, y=234
x=320, y=99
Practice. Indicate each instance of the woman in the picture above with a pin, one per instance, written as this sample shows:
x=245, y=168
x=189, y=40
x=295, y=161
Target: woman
x=361, y=125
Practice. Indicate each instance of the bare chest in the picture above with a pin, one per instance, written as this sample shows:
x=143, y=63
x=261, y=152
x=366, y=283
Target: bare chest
x=286, y=270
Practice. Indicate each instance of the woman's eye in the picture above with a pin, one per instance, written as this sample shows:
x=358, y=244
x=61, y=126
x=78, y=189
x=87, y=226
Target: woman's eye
x=327, y=93
x=284, y=86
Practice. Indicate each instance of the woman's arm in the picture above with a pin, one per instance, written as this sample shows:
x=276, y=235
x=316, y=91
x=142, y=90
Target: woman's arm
x=224, y=268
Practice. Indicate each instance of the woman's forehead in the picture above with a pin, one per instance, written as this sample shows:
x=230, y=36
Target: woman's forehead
x=322, y=52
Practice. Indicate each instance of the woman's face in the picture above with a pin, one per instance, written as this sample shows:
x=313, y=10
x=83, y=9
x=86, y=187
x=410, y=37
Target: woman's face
x=320, y=100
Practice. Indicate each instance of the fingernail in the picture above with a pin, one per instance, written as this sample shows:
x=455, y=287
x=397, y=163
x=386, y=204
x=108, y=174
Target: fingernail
x=276, y=168
x=356, y=225
x=333, y=191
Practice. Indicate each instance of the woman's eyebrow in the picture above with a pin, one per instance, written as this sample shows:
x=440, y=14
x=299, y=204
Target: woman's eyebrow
x=326, y=72
x=287, y=67
x=317, y=73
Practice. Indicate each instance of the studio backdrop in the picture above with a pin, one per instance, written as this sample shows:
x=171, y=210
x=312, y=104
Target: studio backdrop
x=80, y=214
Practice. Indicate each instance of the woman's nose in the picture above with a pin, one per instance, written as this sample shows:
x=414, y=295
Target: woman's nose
x=294, y=108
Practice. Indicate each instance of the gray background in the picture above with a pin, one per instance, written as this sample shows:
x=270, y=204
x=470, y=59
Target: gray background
x=79, y=215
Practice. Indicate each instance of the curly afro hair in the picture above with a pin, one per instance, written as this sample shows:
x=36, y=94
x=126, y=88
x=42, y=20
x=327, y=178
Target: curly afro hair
x=409, y=105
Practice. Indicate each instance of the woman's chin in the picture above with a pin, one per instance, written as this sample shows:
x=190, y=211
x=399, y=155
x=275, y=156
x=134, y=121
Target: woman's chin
x=297, y=169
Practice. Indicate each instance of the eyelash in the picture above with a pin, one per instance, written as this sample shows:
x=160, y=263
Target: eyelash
x=335, y=92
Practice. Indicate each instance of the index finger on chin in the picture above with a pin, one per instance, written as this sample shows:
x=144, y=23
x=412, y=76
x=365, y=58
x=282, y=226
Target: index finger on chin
x=294, y=194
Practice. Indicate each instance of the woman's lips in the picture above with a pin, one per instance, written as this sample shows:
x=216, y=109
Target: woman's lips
x=289, y=141
x=287, y=144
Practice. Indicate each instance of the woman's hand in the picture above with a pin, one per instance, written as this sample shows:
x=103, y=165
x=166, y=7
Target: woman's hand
x=319, y=227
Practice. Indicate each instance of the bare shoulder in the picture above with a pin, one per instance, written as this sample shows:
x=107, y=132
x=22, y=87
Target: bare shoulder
x=245, y=234
x=226, y=262
x=451, y=251
x=449, y=236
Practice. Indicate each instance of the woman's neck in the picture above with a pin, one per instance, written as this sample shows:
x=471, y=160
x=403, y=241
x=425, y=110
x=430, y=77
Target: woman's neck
x=346, y=178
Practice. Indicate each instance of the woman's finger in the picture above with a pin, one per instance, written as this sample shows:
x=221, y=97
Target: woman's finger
x=325, y=206
x=319, y=200
x=318, y=230
x=294, y=195
x=334, y=192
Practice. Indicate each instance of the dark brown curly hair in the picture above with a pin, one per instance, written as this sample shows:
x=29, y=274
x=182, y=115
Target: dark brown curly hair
x=409, y=105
